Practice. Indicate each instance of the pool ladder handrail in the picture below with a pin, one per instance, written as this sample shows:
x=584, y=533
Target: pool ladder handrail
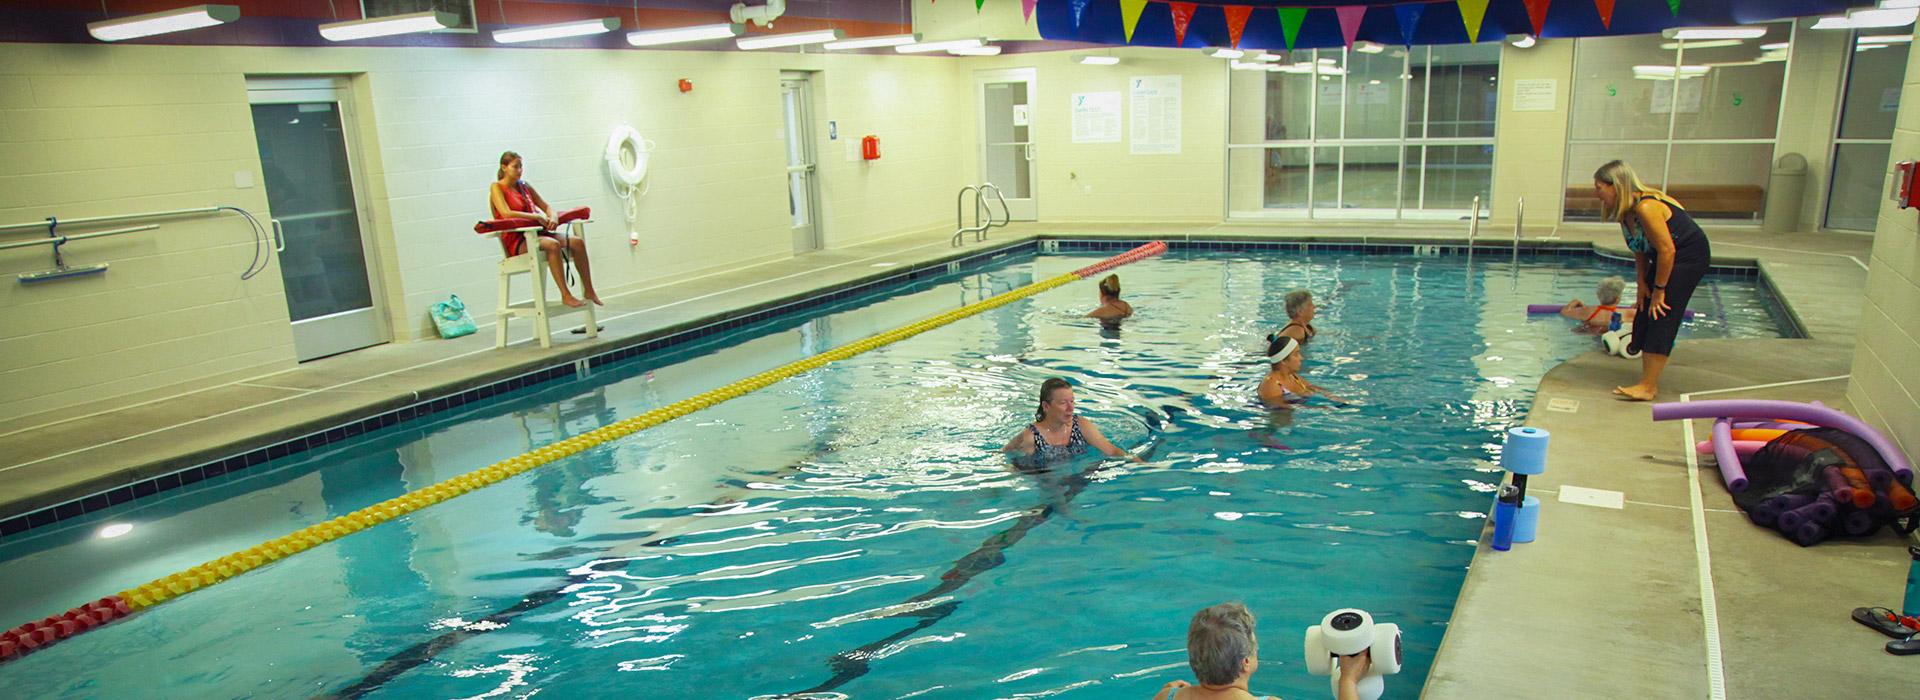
x=1519, y=215
x=981, y=210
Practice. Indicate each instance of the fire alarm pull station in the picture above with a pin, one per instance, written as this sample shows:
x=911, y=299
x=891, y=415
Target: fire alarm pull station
x=686, y=85
x=1904, y=194
x=870, y=147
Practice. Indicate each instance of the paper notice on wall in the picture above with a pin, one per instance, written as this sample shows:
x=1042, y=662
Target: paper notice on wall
x=1372, y=93
x=1689, y=96
x=1019, y=115
x=1890, y=100
x=1156, y=115
x=1096, y=117
x=1535, y=95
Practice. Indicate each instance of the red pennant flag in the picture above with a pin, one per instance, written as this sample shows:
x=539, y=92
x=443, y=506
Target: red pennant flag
x=1605, y=7
x=1236, y=21
x=1350, y=16
x=1182, y=14
x=1537, y=12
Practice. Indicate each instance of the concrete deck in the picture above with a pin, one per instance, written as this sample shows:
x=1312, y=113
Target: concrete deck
x=1606, y=604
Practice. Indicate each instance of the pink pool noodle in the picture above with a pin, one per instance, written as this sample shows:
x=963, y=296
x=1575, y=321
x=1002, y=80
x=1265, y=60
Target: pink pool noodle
x=1743, y=448
x=1555, y=308
x=1750, y=409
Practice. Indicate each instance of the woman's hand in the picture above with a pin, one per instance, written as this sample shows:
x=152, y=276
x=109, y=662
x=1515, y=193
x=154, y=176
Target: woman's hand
x=1170, y=689
x=1657, y=304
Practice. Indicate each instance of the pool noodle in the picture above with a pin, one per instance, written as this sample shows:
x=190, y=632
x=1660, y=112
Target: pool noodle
x=1901, y=497
x=1807, y=534
x=1728, y=461
x=1761, y=434
x=1555, y=308
x=1862, y=491
x=1743, y=448
x=1753, y=409
x=1837, y=485
x=1772, y=424
x=1857, y=523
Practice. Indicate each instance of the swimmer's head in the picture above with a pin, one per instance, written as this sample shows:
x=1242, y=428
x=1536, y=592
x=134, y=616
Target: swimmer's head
x=1221, y=647
x=1281, y=348
x=1056, y=392
x=1110, y=287
x=1610, y=289
x=1300, y=305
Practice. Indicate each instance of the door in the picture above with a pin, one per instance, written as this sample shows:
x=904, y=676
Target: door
x=306, y=154
x=1006, y=138
x=803, y=187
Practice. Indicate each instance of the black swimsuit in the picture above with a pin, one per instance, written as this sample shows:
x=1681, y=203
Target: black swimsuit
x=1044, y=452
x=1691, y=258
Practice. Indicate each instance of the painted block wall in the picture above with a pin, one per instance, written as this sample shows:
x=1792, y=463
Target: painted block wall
x=1885, y=388
x=125, y=129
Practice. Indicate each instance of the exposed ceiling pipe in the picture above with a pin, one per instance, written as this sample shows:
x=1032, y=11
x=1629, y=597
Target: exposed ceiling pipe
x=763, y=15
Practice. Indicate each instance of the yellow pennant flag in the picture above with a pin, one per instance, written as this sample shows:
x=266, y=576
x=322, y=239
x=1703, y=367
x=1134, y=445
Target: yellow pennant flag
x=1130, y=15
x=1472, y=12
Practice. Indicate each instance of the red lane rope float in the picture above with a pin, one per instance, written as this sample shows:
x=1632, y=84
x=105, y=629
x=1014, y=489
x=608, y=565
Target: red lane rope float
x=33, y=636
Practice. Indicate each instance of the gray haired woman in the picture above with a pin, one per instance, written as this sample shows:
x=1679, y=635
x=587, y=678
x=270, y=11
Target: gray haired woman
x=1300, y=310
x=1598, y=318
x=1223, y=653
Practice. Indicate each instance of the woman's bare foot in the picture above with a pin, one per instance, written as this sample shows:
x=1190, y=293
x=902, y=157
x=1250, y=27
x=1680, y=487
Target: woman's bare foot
x=569, y=300
x=1635, y=392
x=594, y=297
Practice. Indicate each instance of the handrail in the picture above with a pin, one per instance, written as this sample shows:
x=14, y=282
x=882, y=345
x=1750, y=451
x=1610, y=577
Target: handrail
x=982, y=213
x=1519, y=215
x=43, y=223
x=1473, y=222
x=1006, y=215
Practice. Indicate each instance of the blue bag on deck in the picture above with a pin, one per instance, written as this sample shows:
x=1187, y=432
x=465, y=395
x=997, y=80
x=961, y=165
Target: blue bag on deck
x=451, y=317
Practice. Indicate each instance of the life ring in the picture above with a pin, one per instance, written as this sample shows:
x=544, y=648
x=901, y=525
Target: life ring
x=624, y=141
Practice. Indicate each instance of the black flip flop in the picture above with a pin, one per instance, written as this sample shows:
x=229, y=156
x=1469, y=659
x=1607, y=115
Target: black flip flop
x=1905, y=647
x=1881, y=620
x=583, y=330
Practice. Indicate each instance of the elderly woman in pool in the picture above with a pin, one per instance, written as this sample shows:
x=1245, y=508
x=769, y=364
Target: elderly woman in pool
x=1057, y=432
x=1300, y=310
x=1598, y=318
x=1283, y=388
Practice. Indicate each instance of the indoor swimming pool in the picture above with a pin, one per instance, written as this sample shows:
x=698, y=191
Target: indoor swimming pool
x=855, y=531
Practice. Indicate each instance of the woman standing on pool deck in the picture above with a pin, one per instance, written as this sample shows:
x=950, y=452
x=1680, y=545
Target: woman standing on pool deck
x=1057, y=433
x=1671, y=254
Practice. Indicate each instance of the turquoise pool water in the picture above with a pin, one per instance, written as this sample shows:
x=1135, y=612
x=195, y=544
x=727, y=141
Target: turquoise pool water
x=854, y=532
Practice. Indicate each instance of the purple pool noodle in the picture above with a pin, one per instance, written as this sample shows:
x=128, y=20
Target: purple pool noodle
x=1791, y=410
x=1857, y=523
x=1767, y=512
x=1822, y=509
x=1555, y=308
x=1731, y=470
x=1807, y=534
x=1879, y=479
x=1790, y=501
x=1815, y=512
x=1768, y=425
x=1764, y=515
x=1837, y=485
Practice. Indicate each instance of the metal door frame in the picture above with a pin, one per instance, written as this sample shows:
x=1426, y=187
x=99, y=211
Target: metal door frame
x=802, y=83
x=1031, y=77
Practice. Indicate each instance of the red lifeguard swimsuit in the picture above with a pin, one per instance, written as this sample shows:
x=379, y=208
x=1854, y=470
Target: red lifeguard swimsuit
x=517, y=199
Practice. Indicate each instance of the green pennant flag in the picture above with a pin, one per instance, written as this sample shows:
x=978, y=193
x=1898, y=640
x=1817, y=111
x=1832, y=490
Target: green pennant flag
x=977, y=4
x=1290, y=19
x=1129, y=15
x=1674, y=7
x=1472, y=12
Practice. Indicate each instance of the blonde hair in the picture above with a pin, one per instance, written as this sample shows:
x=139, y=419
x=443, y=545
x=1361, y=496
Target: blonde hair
x=1627, y=187
x=505, y=159
x=1110, y=286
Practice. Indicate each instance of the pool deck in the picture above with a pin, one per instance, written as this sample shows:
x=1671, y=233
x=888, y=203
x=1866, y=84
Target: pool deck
x=1608, y=603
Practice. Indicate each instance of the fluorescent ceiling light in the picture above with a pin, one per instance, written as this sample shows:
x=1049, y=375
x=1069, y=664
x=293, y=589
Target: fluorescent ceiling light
x=1689, y=33
x=1525, y=41
x=1782, y=45
x=1887, y=39
x=585, y=27
x=1707, y=44
x=873, y=42
x=411, y=23
x=1329, y=61
x=1870, y=19
x=1368, y=47
x=1100, y=60
x=680, y=35
x=948, y=45
x=774, y=41
x=1668, y=71
x=180, y=20
x=1898, y=4
x=975, y=51
x=1246, y=65
x=1219, y=52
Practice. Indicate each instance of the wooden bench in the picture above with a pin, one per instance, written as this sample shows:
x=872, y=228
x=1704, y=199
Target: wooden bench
x=1745, y=202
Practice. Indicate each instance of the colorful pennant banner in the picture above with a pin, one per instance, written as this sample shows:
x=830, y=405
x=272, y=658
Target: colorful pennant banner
x=1290, y=19
x=1026, y=8
x=1236, y=21
x=1409, y=16
x=1605, y=8
x=1130, y=15
x=1182, y=16
x=1350, y=16
x=1472, y=12
x=1537, y=13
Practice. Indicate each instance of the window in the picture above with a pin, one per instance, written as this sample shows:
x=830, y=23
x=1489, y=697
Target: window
x=1864, y=137
x=1363, y=132
x=1695, y=118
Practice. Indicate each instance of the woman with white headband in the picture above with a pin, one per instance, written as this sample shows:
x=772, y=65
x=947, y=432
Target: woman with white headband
x=1283, y=387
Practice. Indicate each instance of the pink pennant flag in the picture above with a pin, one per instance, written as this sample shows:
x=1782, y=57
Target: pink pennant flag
x=1182, y=16
x=1236, y=21
x=1350, y=16
x=1026, y=7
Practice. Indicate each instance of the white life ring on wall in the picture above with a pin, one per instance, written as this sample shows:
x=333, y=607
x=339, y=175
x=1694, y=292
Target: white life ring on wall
x=626, y=144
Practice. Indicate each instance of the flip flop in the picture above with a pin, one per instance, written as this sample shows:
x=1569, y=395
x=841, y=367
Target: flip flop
x=1886, y=622
x=1905, y=647
x=583, y=329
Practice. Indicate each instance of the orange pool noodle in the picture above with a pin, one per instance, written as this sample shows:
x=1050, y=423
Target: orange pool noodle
x=1761, y=434
x=1862, y=491
x=1902, y=498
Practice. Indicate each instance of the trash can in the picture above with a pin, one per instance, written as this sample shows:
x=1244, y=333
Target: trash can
x=1785, y=189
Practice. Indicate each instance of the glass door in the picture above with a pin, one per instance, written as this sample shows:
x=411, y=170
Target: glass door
x=1863, y=139
x=803, y=187
x=301, y=127
x=1006, y=138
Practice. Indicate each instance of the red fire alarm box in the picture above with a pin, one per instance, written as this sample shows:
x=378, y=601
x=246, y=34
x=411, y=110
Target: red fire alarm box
x=1903, y=189
x=870, y=147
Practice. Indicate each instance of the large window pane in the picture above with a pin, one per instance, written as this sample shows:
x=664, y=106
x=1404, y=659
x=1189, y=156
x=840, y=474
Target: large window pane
x=1721, y=181
x=1859, y=174
x=1417, y=86
x=1326, y=177
x=1332, y=94
x=1873, y=91
x=1371, y=179
x=1610, y=99
x=1729, y=88
x=1465, y=94
x=1374, y=95
x=1267, y=179
x=1456, y=174
x=1650, y=161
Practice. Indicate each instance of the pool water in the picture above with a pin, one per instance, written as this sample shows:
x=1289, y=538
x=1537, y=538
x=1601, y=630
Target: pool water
x=855, y=532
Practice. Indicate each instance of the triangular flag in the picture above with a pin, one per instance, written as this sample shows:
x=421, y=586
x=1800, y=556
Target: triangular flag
x=1182, y=15
x=1674, y=7
x=1605, y=8
x=1409, y=16
x=1130, y=15
x=1471, y=13
x=1079, y=8
x=1290, y=19
x=977, y=4
x=1026, y=8
x=1350, y=16
x=1537, y=12
x=1236, y=21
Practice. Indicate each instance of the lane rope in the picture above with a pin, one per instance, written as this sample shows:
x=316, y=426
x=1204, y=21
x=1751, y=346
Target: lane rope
x=31, y=636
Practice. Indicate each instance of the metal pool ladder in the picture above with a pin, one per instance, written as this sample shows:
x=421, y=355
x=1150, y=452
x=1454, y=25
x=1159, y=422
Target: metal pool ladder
x=982, y=212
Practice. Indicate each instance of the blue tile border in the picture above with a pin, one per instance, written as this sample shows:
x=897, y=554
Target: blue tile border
x=738, y=318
